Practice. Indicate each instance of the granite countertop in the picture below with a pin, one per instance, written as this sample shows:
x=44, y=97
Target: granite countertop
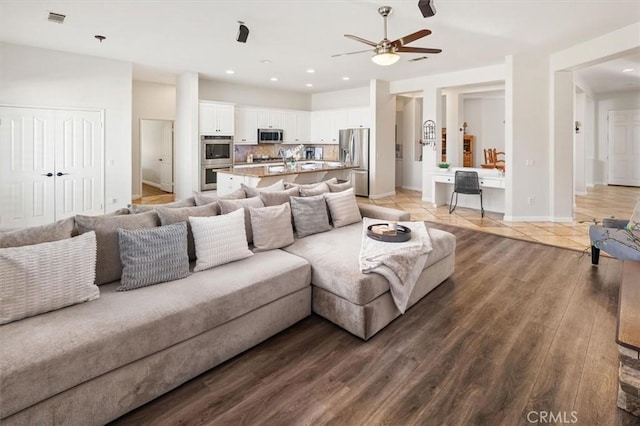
x=279, y=170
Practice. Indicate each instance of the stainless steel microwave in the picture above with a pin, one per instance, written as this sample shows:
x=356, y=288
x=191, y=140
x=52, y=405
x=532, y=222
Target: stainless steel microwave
x=270, y=135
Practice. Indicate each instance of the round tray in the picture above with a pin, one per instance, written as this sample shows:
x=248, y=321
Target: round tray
x=404, y=234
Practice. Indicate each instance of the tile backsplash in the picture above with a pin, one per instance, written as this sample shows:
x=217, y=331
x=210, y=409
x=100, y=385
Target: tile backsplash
x=329, y=152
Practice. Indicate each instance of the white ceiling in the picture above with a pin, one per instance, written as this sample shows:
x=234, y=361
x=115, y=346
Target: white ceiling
x=164, y=37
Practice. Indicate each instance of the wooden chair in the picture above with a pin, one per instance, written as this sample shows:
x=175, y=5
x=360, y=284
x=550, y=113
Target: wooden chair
x=491, y=159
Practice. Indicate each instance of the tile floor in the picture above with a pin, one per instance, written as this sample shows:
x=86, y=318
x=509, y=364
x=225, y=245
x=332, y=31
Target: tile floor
x=601, y=201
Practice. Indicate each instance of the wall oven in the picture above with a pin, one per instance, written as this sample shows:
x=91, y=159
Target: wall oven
x=216, y=150
x=209, y=177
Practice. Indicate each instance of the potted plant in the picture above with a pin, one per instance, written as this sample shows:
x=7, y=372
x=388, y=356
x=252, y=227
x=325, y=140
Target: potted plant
x=444, y=166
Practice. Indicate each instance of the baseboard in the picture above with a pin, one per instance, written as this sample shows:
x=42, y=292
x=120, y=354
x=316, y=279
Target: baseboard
x=386, y=194
x=581, y=193
x=562, y=219
x=135, y=196
x=527, y=219
x=155, y=185
x=412, y=188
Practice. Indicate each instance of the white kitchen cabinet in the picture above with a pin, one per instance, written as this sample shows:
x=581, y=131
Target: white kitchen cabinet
x=338, y=122
x=296, y=127
x=321, y=127
x=358, y=117
x=270, y=119
x=216, y=119
x=246, y=126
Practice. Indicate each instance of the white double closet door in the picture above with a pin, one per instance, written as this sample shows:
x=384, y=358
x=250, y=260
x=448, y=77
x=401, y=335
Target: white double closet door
x=51, y=165
x=624, y=148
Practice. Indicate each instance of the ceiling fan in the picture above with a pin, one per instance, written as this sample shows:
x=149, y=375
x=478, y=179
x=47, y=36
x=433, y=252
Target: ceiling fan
x=386, y=51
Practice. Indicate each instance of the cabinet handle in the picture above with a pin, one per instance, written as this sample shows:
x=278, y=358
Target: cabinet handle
x=61, y=174
x=47, y=174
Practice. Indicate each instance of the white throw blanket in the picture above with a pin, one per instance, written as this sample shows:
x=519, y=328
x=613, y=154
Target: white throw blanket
x=400, y=263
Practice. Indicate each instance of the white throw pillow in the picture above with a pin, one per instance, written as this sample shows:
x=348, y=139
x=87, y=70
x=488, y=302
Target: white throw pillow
x=254, y=192
x=48, y=276
x=219, y=239
x=271, y=227
x=343, y=208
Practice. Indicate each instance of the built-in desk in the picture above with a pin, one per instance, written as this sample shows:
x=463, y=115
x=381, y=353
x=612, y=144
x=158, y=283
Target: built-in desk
x=491, y=183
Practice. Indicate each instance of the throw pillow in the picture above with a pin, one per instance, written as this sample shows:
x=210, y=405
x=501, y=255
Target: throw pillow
x=228, y=206
x=108, y=265
x=275, y=198
x=154, y=255
x=343, y=208
x=309, y=185
x=48, y=276
x=254, y=192
x=141, y=208
x=182, y=214
x=339, y=187
x=321, y=188
x=219, y=239
x=310, y=215
x=271, y=227
x=55, y=231
x=203, y=198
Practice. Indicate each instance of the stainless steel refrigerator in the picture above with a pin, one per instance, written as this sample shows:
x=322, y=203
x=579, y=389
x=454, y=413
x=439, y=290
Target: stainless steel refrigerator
x=354, y=150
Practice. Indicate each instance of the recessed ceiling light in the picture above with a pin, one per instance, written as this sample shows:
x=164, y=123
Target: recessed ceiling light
x=345, y=78
x=627, y=70
x=309, y=85
x=311, y=70
x=274, y=78
x=230, y=72
x=265, y=61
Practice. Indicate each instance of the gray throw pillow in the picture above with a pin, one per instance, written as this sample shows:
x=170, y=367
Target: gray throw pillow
x=141, y=208
x=343, y=208
x=321, y=188
x=254, y=192
x=152, y=256
x=310, y=215
x=278, y=197
x=309, y=185
x=339, y=187
x=204, y=198
x=227, y=206
x=271, y=227
x=109, y=266
x=181, y=214
x=55, y=231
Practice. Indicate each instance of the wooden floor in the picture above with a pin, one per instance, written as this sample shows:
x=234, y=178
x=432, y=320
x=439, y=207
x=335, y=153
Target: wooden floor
x=520, y=327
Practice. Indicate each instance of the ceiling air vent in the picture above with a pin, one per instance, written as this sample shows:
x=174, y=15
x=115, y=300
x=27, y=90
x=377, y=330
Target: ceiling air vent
x=56, y=17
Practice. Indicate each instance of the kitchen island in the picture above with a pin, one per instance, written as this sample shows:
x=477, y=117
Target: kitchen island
x=264, y=175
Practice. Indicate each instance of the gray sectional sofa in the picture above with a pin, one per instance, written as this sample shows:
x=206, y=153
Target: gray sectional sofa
x=93, y=362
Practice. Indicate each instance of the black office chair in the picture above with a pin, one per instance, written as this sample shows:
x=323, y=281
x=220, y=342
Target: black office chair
x=466, y=183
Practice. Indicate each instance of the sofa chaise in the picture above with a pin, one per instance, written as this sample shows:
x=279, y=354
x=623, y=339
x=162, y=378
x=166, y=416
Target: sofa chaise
x=92, y=362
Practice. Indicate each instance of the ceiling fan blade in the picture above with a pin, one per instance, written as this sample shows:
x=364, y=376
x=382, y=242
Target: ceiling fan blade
x=351, y=53
x=418, y=50
x=361, y=40
x=409, y=38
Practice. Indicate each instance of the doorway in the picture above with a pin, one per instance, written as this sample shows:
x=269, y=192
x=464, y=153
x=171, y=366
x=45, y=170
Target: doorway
x=156, y=157
x=624, y=157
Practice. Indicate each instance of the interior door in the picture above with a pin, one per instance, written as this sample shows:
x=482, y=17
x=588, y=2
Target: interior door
x=26, y=167
x=78, y=163
x=624, y=148
x=166, y=166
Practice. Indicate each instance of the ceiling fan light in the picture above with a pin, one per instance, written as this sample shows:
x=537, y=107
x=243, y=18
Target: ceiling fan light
x=385, y=59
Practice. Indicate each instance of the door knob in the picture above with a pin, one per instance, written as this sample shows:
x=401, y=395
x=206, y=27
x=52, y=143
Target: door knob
x=61, y=174
x=159, y=159
x=47, y=174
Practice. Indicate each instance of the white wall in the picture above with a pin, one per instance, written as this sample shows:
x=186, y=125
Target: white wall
x=348, y=98
x=579, y=148
x=151, y=133
x=242, y=94
x=485, y=119
x=604, y=103
x=150, y=101
x=382, y=167
x=186, y=137
x=31, y=76
x=409, y=132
